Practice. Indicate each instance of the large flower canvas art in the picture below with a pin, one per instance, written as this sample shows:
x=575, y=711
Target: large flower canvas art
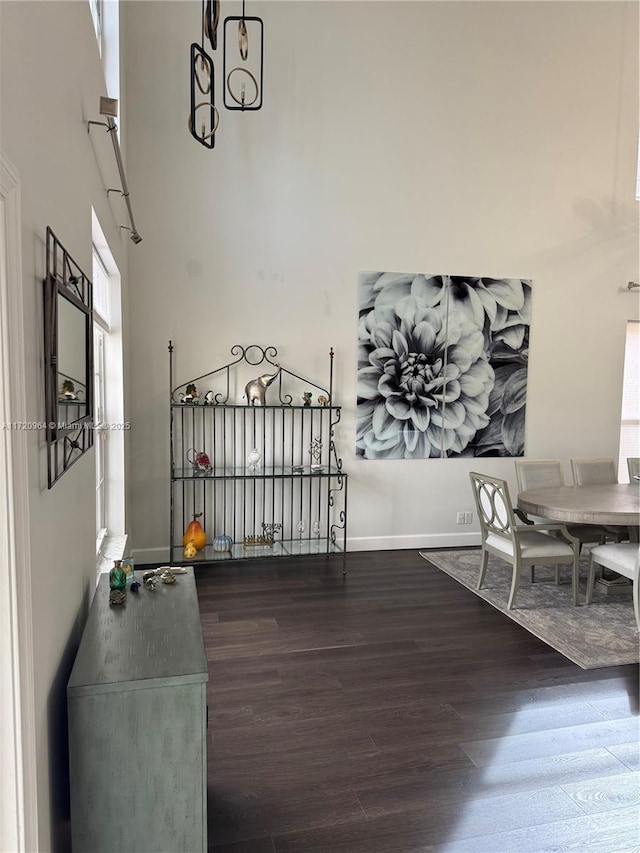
x=442, y=365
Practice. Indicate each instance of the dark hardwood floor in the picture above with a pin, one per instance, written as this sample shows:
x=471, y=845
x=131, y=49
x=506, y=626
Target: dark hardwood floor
x=395, y=711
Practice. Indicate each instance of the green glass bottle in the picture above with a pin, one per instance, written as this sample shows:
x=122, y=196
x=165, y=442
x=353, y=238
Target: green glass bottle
x=117, y=583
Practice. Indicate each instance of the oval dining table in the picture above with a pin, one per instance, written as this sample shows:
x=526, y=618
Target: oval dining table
x=613, y=504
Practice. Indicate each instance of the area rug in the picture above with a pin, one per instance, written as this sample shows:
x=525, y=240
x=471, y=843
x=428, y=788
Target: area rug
x=592, y=636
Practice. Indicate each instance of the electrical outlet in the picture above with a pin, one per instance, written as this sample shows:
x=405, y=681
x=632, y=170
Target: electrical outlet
x=460, y=518
x=468, y=518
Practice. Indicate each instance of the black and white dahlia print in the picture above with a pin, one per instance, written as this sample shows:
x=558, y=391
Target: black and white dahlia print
x=442, y=365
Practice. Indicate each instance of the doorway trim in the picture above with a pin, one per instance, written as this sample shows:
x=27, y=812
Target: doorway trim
x=15, y=562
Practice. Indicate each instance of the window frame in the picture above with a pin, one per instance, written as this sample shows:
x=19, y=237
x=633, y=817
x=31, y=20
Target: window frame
x=629, y=440
x=97, y=16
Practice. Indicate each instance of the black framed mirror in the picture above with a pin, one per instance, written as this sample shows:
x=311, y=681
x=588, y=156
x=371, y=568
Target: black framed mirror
x=68, y=359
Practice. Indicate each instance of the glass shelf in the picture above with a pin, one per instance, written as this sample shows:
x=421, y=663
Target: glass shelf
x=238, y=551
x=242, y=473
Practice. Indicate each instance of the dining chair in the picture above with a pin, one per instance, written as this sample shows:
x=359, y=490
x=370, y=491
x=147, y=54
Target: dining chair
x=599, y=472
x=633, y=466
x=520, y=545
x=539, y=474
x=594, y=472
x=547, y=474
x=620, y=557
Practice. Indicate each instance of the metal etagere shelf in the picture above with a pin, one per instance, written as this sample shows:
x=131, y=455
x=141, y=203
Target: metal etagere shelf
x=266, y=478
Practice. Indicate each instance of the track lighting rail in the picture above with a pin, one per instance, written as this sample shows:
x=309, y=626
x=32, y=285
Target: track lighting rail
x=109, y=109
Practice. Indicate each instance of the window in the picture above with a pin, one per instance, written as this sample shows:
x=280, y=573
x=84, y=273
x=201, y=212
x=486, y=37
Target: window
x=630, y=418
x=106, y=23
x=100, y=331
x=109, y=402
x=97, y=15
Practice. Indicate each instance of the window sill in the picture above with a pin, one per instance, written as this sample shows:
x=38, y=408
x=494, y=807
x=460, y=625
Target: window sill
x=113, y=548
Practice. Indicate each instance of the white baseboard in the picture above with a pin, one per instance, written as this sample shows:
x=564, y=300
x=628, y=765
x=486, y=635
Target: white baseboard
x=425, y=540
x=158, y=556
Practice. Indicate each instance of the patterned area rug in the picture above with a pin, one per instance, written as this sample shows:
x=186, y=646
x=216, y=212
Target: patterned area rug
x=600, y=634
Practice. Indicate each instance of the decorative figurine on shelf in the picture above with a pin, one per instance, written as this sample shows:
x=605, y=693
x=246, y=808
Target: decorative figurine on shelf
x=194, y=536
x=315, y=451
x=253, y=460
x=265, y=540
x=150, y=579
x=256, y=389
x=222, y=543
x=168, y=577
x=200, y=461
x=323, y=401
x=208, y=399
x=68, y=391
x=257, y=542
x=190, y=395
x=128, y=564
x=117, y=583
x=269, y=530
x=306, y=397
x=190, y=550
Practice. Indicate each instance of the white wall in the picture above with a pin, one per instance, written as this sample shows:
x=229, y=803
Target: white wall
x=51, y=81
x=478, y=138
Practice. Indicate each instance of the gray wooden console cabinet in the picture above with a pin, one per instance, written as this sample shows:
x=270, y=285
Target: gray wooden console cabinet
x=137, y=724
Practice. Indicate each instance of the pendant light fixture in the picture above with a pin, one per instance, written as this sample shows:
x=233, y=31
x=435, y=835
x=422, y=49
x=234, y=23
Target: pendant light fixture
x=211, y=15
x=203, y=113
x=243, y=45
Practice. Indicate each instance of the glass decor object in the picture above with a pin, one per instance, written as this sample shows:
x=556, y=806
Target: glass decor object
x=199, y=461
x=117, y=583
x=222, y=543
x=128, y=564
x=253, y=459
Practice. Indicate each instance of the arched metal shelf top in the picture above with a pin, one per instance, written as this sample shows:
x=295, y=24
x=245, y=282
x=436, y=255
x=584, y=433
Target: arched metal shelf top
x=253, y=355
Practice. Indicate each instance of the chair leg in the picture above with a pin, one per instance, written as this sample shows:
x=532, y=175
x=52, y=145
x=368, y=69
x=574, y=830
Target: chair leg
x=515, y=583
x=532, y=570
x=590, y=581
x=636, y=602
x=557, y=575
x=483, y=567
x=575, y=577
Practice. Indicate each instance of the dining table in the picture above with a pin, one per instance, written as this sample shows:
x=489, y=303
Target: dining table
x=609, y=504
